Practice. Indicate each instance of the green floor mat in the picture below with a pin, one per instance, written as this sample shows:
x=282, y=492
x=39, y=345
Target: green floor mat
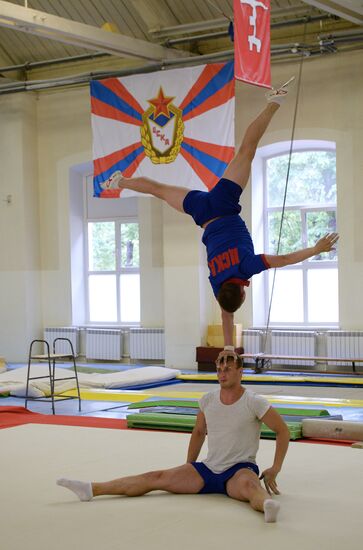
x=185, y=423
x=295, y=429
x=193, y=403
x=301, y=412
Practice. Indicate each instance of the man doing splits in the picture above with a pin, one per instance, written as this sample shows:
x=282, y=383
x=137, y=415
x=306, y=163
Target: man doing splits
x=232, y=417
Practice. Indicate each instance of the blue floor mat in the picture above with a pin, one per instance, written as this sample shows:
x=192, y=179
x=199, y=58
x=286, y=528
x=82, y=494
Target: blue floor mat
x=150, y=385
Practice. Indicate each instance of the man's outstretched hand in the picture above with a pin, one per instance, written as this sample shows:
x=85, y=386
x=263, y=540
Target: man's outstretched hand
x=326, y=243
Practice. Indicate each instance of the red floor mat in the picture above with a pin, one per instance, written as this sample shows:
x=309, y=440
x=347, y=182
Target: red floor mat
x=15, y=416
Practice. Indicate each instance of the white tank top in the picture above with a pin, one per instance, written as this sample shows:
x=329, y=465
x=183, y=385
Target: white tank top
x=233, y=431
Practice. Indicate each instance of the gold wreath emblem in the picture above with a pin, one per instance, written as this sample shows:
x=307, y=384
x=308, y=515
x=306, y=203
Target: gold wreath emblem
x=170, y=155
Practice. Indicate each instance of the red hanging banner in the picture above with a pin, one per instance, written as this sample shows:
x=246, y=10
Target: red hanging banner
x=252, y=42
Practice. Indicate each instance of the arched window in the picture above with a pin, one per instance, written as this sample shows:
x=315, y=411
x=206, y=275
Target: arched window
x=304, y=294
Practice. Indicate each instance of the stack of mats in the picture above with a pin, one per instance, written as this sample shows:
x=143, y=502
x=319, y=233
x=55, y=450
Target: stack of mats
x=180, y=415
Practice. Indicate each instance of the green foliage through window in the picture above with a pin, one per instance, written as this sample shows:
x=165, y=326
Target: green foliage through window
x=311, y=184
x=290, y=233
x=312, y=178
x=130, y=254
x=318, y=224
x=102, y=246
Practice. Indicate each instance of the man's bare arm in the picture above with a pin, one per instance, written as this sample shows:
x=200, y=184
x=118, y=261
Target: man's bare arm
x=325, y=244
x=197, y=438
x=227, y=325
x=274, y=421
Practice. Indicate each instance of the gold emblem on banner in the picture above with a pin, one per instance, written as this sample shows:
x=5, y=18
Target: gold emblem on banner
x=162, y=131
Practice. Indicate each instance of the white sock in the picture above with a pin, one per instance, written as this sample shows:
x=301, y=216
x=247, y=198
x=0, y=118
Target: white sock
x=271, y=509
x=83, y=489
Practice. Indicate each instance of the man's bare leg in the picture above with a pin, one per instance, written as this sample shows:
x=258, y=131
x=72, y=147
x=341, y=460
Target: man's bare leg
x=171, y=194
x=245, y=486
x=239, y=168
x=182, y=480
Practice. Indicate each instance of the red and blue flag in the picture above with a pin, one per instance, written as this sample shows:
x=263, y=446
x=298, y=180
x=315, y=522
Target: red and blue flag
x=174, y=126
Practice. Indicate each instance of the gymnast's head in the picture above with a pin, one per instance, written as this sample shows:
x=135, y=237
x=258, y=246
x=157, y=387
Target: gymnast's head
x=231, y=296
x=229, y=367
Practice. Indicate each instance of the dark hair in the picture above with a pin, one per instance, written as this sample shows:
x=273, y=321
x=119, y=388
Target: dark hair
x=238, y=360
x=230, y=297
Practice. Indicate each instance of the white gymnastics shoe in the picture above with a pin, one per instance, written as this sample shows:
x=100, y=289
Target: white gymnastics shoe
x=113, y=181
x=278, y=95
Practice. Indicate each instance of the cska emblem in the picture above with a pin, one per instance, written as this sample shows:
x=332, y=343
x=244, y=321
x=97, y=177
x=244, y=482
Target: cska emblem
x=162, y=131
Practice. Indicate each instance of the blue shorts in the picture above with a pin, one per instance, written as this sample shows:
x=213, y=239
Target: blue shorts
x=216, y=483
x=222, y=200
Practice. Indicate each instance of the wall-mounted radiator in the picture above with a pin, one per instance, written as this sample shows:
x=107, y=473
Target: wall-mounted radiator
x=298, y=343
x=72, y=333
x=104, y=344
x=147, y=343
x=347, y=344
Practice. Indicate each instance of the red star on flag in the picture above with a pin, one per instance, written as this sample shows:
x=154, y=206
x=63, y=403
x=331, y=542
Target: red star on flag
x=161, y=103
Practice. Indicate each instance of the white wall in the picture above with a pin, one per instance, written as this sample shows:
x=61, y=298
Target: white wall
x=43, y=137
x=151, y=262
x=20, y=295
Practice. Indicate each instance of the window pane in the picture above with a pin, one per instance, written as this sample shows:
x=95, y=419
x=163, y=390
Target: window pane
x=290, y=234
x=312, y=178
x=101, y=246
x=287, y=304
x=130, y=245
x=130, y=297
x=318, y=224
x=323, y=296
x=102, y=298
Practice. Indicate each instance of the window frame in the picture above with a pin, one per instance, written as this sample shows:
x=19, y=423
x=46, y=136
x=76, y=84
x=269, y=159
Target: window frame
x=119, y=270
x=306, y=265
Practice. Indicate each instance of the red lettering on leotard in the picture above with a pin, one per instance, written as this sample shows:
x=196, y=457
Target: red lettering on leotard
x=226, y=260
x=233, y=254
x=223, y=261
x=219, y=261
x=212, y=268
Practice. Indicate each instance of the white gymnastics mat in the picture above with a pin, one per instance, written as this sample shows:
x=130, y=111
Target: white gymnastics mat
x=321, y=500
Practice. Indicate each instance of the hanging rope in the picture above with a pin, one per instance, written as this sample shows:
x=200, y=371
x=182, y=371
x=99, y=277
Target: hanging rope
x=285, y=192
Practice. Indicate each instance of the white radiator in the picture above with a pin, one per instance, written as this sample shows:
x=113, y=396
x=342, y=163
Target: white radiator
x=252, y=342
x=347, y=344
x=147, y=343
x=103, y=344
x=72, y=333
x=300, y=343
